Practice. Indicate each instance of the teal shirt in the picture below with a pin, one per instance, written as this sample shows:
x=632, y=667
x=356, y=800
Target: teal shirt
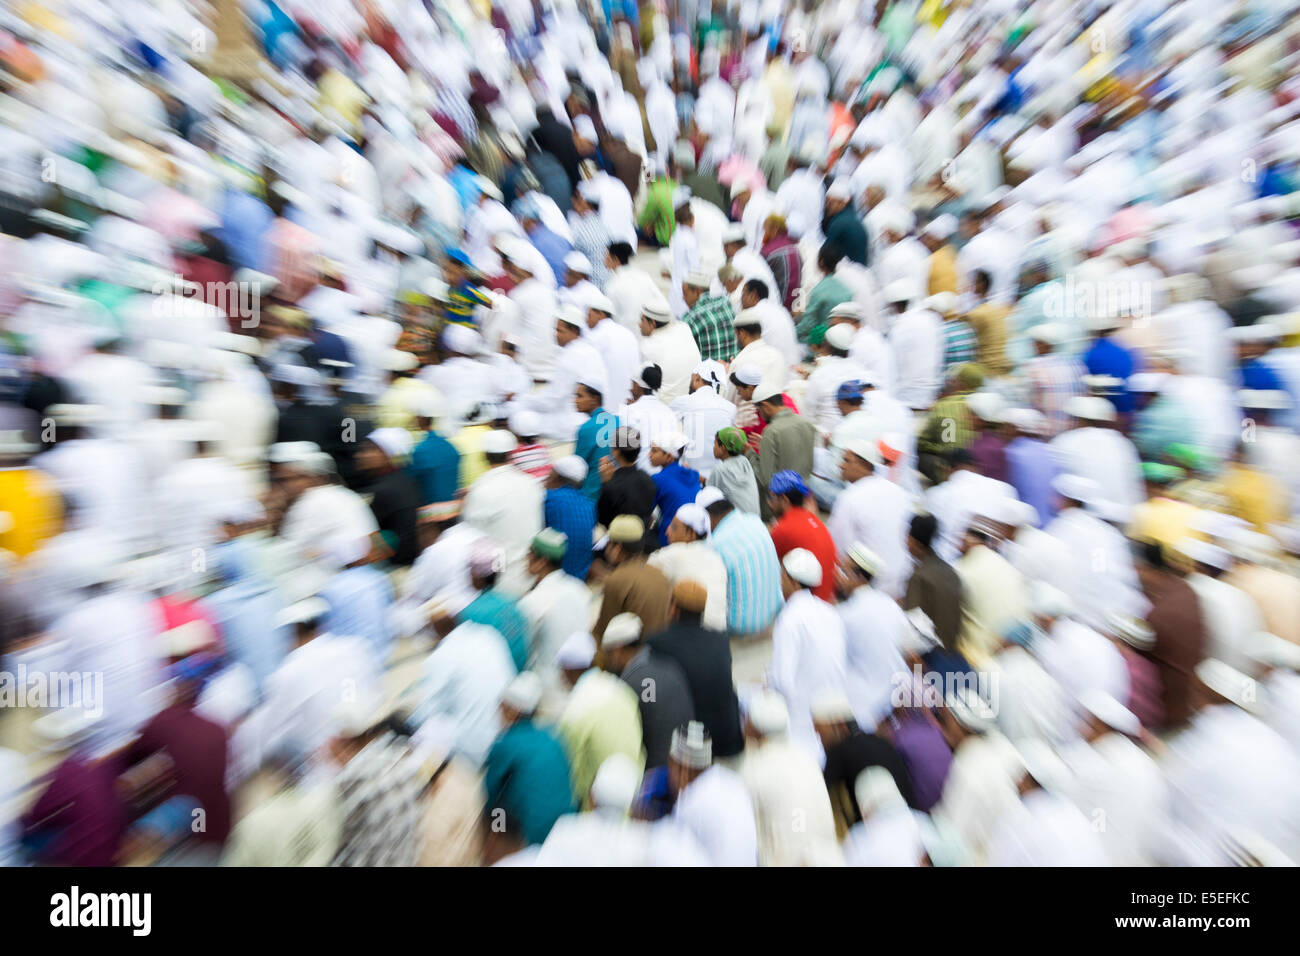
x=1162, y=423
x=593, y=443
x=526, y=774
x=435, y=466
x=826, y=295
x=499, y=612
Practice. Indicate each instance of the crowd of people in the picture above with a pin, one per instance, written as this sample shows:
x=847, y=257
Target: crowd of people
x=541, y=432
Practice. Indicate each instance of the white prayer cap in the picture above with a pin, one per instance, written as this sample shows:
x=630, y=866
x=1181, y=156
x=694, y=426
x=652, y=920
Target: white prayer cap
x=393, y=442
x=239, y=511
x=657, y=311
x=1049, y=333
x=1047, y=601
x=765, y=393
x=942, y=226
x=589, y=189
x=1091, y=408
x=840, y=189
x=594, y=379
x=831, y=706
x=488, y=188
x=599, y=301
x=1259, y=332
x=462, y=339
x=1286, y=534
x=525, y=423
x=767, y=712
x=344, y=550
x=671, y=442
x=584, y=127
x=616, y=784
x=577, y=262
x=691, y=746
x=921, y=635
x=577, y=652
x=1273, y=651
x=970, y=709
x=309, y=609
x=802, y=565
x=1230, y=684
x=622, y=630
x=812, y=152
x=1042, y=764
x=748, y=374
x=1262, y=399
x=900, y=290
x=1133, y=631
x=746, y=318
x=681, y=197
x=291, y=452
x=572, y=315
x=524, y=693
x=712, y=371
x=1202, y=552
x=865, y=449
x=841, y=336
x=734, y=232
x=498, y=442
x=572, y=468
x=986, y=405
x=1246, y=544
x=876, y=790
x=866, y=559
x=894, y=217
x=1028, y=420
x=76, y=415
x=65, y=727
x=944, y=303
x=709, y=495
x=695, y=517
x=740, y=185
x=399, y=360
x=847, y=310
x=1076, y=487
x=514, y=249
x=1110, y=711
x=184, y=639
x=1147, y=382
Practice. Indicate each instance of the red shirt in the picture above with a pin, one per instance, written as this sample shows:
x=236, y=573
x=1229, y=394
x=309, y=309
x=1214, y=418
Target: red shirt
x=800, y=528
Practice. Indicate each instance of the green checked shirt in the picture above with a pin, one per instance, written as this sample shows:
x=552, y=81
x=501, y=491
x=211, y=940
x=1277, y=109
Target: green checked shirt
x=710, y=323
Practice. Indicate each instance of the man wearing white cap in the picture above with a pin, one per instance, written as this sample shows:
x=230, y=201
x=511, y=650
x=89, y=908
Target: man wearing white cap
x=506, y=505
x=648, y=414
x=463, y=679
x=808, y=646
x=575, y=285
x=557, y=606
x=465, y=381
x=1101, y=576
x=533, y=318
x=872, y=511
x=576, y=360
x=655, y=677
x=1232, y=618
x=755, y=354
x=1054, y=374
x=711, y=802
x=743, y=257
x=916, y=339
x=601, y=718
x=832, y=368
x=703, y=413
x=668, y=343
x=617, y=347
x=630, y=287
x=1094, y=448
x=683, y=251
x=874, y=629
x=318, y=514
x=486, y=219
x=688, y=557
x=786, y=784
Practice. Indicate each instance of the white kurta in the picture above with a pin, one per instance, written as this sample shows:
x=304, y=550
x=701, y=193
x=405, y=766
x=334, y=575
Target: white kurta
x=325, y=517
x=620, y=350
x=769, y=361
x=1105, y=456
x=874, y=628
x=808, y=656
x=1101, y=578
x=557, y=608
x=554, y=402
x=460, y=687
x=916, y=339
x=652, y=419
x=535, y=326
x=875, y=512
x=672, y=347
x=696, y=561
x=792, y=809
x=703, y=413
x=684, y=251
x=630, y=288
x=717, y=810
x=506, y=505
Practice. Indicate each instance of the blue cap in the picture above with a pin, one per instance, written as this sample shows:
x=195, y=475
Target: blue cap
x=456, y=254
x=849, y=391
x=786, y=481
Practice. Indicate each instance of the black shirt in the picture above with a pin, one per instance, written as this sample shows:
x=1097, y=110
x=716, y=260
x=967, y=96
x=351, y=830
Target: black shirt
x=705, y=658
x=854, y=754
x=629, y=491
x=394, y=502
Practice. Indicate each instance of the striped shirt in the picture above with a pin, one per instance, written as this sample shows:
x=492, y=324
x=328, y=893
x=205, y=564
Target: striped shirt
x=960, y=344
x=710, y=322
x=1053, y=381
x=782, y=256
x=753, y=572
x=532, y=460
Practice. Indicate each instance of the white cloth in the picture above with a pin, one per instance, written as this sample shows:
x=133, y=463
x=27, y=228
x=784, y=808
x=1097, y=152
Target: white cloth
x=769, y=361
x=534, y=324
x=875, y=512
x=697, y=561
x=916, y=339
x=778, y=329
x=506, y=505
x=981, y=785
x=874, y=628
x=703, y=413
x=558, y=607
x=620, y=350
x=323, y=518
x=461, y=684
x=792, y=809
x=672, y=347
x=652, y=419
x=954, y=502
x=819, y=393
x=1105, y=456
x=554, y=402
x=630, y=288
x=808, y=656
x=717, y=810
x=1101, y=578
x=684, y=252
x=1232, y=619
x=305, y=694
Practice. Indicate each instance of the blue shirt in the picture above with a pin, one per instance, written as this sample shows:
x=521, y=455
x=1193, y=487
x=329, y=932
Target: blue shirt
x=753, y=572
x=359, y=600
x=245, y=220
x=572, y=512
x=498, y=612
x=553, y=248
x=435, y=466
x=1256, y=375
x=1107, y=357
x=527, y=775
x=1031, y=469
x=595, y=437
x=675, y=485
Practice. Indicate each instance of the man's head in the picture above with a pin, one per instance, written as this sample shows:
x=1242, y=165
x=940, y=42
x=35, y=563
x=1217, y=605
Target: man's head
x=859, y=567
x=618, y=254
x=520, y=699
x=749, y=328
x=666, y=449
x=569, y=472
x=786, y=490
x=384, y=450
x=626, y=447
x=569, y=324
x=689, y=598
x=859, y=460
x=626, y=539
x=832, y=717
x=647, y=381
x=828, y=257
x=690, y=753
x=920, y=534
x=575, y=656
x=694, y=286
x=587, y=398
x=753, y=292
x=773, y=226
x=768, y=401
x=546, y=552
x=800, y=571
x=621, y=641
x=839, y=196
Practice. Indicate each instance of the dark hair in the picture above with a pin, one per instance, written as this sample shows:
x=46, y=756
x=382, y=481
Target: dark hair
x=653, y=376
x=720, y=509
x=627, y=443
x=922, y=529
x=794, y=496
x=981, y=280
x=591, y=391
x=621, y=251
x=633, y=547
x=496, y=458
x=682, y=213
x=960, y=456
x=756, y=286
x=829, y=256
